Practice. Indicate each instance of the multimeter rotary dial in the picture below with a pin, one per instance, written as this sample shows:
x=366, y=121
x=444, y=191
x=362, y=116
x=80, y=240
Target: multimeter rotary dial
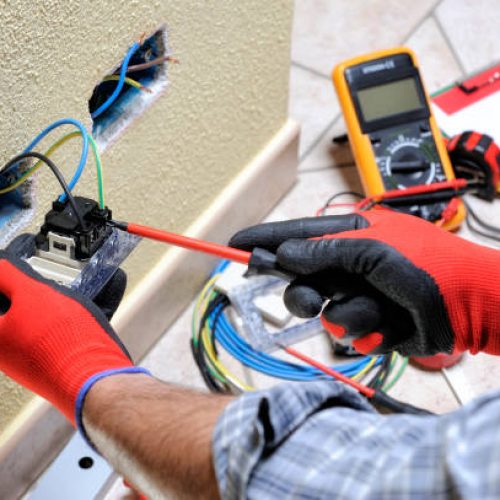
x=407, y=158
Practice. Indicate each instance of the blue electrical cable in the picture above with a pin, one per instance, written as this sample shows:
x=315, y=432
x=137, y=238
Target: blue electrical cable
x=123, y=73
x=83, y=157
x=229, y=339
x=232, y=342
x=270, y=365
x=235, y=345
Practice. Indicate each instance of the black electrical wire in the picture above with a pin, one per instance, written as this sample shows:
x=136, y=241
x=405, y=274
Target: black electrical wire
x=488, y=231
x=380, y=382
x=198, y=353
x=338, y=195
x=478, y=219
x=383, y=372
x=55, y=171
x=343, y=193
x=381, y=369
x=475, y=230
x=212, y=385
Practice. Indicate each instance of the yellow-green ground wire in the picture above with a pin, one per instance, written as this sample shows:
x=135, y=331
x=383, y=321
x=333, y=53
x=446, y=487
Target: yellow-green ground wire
x=54, y=147
x=402, y=368
x=128, y=81
x=220, y=371
x=216, y=367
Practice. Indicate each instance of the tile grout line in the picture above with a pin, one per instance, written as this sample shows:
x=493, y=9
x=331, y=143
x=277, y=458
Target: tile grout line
x=316, y=141
x=450, y=45
x=419, y=23
x=428, y=15
x=310, y=70
x=451, y=386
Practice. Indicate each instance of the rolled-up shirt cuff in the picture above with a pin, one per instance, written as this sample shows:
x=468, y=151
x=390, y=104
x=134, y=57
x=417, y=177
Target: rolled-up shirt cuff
x=254, y=425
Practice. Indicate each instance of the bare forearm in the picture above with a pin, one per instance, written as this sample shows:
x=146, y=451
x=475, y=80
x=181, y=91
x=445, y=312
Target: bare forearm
x=155, y=434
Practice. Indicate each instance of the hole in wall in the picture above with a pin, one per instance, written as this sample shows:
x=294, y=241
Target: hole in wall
x=17, y=206
x=85, y=462
x=131, y=101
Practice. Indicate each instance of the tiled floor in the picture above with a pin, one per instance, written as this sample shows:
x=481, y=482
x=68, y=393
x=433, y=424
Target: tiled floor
x=451, y=38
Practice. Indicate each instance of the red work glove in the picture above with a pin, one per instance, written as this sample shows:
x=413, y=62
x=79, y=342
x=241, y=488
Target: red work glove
x=52, y=341
x=391, y=281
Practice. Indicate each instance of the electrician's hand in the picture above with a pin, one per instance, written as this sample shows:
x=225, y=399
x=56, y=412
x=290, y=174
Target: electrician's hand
x=53, y=341
x=387, y=281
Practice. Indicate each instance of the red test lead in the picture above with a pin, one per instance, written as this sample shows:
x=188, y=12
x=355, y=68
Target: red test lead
x=376, y=396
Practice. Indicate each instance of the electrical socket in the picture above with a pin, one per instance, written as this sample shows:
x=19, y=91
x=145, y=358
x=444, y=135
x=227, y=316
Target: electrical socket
x=83, y=259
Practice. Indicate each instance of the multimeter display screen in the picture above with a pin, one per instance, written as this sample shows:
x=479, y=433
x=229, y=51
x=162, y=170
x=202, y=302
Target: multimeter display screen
x=389, y=99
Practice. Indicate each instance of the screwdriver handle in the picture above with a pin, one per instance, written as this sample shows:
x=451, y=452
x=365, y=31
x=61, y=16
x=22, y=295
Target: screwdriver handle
x=263, y=262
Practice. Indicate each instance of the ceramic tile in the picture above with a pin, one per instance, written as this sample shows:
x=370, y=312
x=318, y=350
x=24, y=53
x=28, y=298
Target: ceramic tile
x=312, y=103
x=425, y=389
x=477, y=374
x=312, y=191
x=326, y=153
x=472, y=28
x=438, y=66
x=437, y=62
x=473, y=376
x=327, y=31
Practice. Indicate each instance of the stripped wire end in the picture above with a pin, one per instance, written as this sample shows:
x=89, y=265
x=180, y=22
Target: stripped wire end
x=153, y=62
x=128, y=81
x=142, y=36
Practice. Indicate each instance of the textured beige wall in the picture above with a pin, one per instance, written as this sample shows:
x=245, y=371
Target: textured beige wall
x=224, y=103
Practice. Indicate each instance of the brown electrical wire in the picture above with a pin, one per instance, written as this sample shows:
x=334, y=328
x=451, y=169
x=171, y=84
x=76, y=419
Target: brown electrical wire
x=149, y=64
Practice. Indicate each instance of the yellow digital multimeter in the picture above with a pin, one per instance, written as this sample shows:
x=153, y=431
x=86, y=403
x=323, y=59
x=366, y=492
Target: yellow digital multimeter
x=393, y=135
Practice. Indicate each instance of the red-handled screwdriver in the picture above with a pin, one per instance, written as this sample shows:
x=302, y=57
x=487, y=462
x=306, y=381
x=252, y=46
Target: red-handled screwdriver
x=259, y=261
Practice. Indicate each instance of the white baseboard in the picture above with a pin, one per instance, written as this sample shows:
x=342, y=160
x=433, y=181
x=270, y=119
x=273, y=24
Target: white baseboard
x=38, y=434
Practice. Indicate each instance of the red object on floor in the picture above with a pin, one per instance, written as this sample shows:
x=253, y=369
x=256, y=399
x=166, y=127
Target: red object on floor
x=456, y=99
x=438, y=361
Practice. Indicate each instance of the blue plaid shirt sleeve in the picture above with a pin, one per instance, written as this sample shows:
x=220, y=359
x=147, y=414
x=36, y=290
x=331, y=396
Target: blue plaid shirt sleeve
x=323, y=440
